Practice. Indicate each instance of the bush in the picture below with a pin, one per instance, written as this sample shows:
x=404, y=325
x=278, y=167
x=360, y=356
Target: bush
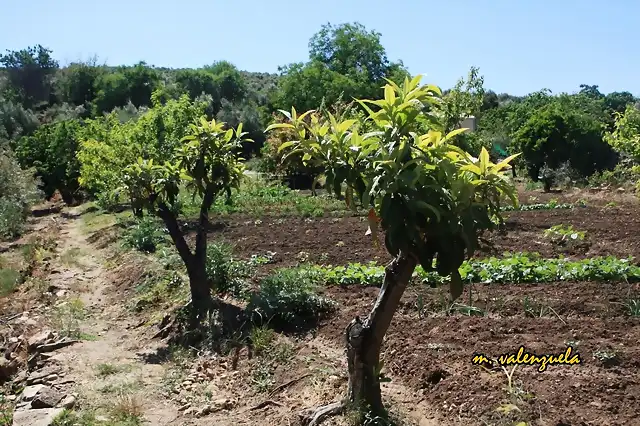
x=294, y=167
x=288, y=297
x=224, y=274
x=51, y=150
x=145, y=235
x=18, y=191
x=9, y=279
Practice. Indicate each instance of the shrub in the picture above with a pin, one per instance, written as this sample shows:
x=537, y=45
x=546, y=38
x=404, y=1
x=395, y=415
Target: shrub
x=9, y=279
x=288, y=297
x=18, y=191
x=145, y=235
x=223, y=273
x=52, y=151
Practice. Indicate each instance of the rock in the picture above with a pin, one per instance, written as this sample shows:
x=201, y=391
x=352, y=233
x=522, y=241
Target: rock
x=30, y=391
x=7, y=368
x=44, y=417
x=37, y=377
x=204, y=411
x=102, y=419
x=223, y=404
x=40, y=339
x=68, y=401
x=190, y=411
x=51, y=378
x=185, y=407
x=46, y=398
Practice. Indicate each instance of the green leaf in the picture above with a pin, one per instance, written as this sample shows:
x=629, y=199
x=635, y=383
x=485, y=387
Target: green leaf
x=279, y=126
x=286, y=145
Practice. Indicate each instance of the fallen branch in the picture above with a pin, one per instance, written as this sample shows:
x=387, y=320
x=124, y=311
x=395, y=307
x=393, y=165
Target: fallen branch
x=289, y=383
x=57, y=345
x=264, y=404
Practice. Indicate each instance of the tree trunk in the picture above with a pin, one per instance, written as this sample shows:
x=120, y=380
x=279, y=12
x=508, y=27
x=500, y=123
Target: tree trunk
x=364, y=340
x=195, y=263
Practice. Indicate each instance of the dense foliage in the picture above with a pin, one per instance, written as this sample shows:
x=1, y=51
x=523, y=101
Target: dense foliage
x=101, y=106
x=18, y=191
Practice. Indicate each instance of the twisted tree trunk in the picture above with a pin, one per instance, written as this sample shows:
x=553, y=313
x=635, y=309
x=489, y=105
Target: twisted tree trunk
x=364, y=342
x=196, y=261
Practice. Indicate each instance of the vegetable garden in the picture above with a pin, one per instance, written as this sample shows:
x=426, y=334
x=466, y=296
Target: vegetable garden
x=365, y=299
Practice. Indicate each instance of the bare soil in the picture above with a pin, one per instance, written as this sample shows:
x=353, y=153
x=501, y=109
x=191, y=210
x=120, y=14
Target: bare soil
x=427, y=353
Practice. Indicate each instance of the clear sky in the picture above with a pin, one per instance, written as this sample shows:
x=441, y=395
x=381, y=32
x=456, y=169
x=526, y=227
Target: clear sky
x=519, y=45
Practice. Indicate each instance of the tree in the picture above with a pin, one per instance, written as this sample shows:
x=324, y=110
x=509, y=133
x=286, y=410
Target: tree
x=196, y=82
x=127, y=84
x=591, y=91
x=30, y=73
x=345, y=61
x=618, y=101
x=558, y=133
x=76, y=83
x=207, y=165
x=110, y=145
x=464, y=100
x=350, y=49
x=51, y=150
x=231, y=84
x=625, y=137
x=430, y=198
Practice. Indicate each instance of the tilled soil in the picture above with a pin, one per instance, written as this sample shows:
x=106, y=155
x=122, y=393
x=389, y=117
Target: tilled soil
x=431, y=353
x=610, y=231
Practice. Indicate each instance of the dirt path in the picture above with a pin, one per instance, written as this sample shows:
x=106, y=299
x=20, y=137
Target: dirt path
x=108, y=368
x=112, y=372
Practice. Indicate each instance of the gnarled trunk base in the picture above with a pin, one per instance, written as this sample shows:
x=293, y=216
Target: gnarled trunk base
x=364, y=342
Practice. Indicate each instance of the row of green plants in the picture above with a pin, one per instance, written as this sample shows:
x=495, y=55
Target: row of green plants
x=550, y=205
x=518, y=268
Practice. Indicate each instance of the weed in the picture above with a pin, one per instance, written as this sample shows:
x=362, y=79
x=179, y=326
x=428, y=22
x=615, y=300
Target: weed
x=89, y=418
x=6, y=411
x=68, y=317
x=534, y=309
x=128, y=408
x=608, y=357
x=9, y=281
x=262, y=259
x=225, y=275
x=123, y=388
x=144, y=235
x=70, y=257
x=104, y=370
x=563, y=235
x=288, y=296
x=261, y=339
x=262, y=377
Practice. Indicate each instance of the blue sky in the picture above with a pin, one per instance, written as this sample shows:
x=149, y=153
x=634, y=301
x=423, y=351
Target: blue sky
x=519, y=45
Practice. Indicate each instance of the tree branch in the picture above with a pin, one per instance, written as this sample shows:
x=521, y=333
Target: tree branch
x=171, y=222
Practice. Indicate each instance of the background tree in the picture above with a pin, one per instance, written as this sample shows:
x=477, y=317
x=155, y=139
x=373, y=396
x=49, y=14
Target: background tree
x=345, y=61
x=557, y=134
x=30, y=72
x=625, y=138
x=76, y=83
x=430, y=198
x=110, y=145
x=51, y=150
x=205, y=164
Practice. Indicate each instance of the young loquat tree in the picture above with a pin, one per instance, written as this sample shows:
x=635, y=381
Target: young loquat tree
x=430, y=198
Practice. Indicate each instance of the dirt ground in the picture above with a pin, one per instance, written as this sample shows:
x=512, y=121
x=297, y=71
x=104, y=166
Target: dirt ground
x=610, y=231
x=427, y=352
